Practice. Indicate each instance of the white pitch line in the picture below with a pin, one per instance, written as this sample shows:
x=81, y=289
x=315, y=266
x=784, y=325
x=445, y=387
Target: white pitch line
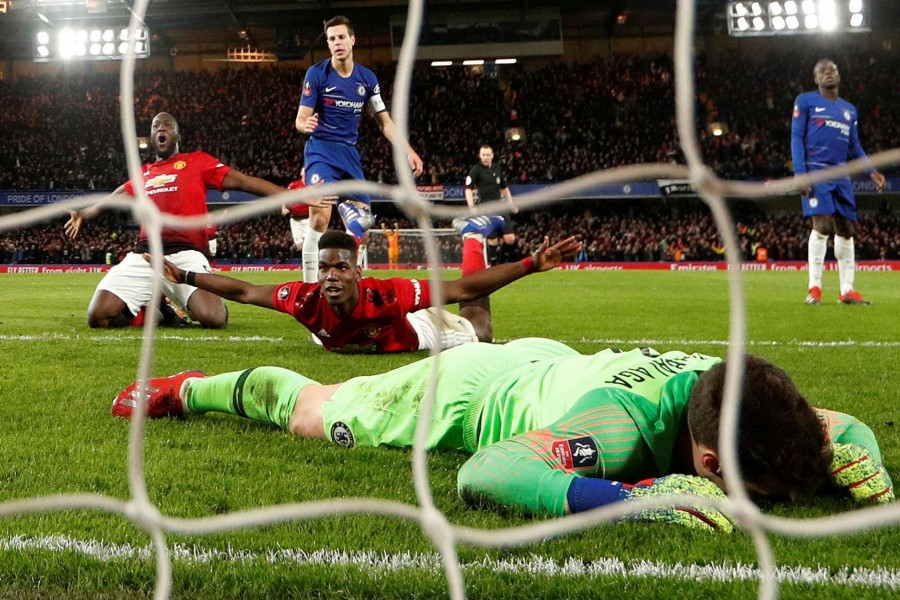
x=602, y=341
x=691, y=343
x=136, y=338
x=533, y=565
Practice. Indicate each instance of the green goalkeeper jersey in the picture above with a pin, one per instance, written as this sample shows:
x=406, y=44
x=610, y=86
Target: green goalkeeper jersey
x=612, y=415
x=537, y=414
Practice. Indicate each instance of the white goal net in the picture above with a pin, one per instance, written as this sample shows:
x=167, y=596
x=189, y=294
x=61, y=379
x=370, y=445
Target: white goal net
x=445, y=536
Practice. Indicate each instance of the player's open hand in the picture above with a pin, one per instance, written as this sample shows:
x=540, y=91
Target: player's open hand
x=73, y=225
x=172, y=273
x=549, y=257
x=320, y=202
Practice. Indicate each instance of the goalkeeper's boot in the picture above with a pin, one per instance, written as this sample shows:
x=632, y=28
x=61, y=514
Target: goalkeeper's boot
x=357, y=220
x=814, y=296
x=854, y=297
x=484, y=225
x=163, y=396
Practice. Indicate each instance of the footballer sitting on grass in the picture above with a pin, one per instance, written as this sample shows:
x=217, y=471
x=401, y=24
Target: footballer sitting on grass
x=554, y=432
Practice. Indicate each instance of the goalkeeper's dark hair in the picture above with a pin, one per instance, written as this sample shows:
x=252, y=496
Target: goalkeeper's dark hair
x=337, y=240
x=781, y=439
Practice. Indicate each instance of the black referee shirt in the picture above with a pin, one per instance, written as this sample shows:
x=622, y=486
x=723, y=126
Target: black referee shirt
x=488, y=180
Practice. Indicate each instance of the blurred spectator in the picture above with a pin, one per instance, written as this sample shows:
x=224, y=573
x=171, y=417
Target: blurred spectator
x=611, y=111
x=646, y=232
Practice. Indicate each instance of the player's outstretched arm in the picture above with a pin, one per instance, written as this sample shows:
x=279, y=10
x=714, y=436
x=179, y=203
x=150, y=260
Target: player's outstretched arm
x=513, y=474
x=225, y=287
x=235, y=180
x=490, y=280
x=78, y=217
x=861, y=474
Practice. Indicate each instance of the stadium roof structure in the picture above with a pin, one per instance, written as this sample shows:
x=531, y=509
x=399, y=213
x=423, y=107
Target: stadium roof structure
x=198, y=26
x=205, y=26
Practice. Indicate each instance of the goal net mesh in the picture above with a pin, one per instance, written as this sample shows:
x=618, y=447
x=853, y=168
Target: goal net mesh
x=447, y=537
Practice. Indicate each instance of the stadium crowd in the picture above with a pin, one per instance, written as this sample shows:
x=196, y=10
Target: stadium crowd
x=63, y=133
x=660, y=232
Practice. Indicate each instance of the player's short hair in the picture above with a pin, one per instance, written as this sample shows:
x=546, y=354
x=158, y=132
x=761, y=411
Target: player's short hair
x=483, y=146
x=781, y=440
x=338, y=240
x=339, y=20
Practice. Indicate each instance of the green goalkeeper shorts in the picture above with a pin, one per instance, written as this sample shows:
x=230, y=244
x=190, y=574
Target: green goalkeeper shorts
x=382, y=410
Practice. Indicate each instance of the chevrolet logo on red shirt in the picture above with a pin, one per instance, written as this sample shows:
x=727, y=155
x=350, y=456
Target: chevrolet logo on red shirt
x=159, y=181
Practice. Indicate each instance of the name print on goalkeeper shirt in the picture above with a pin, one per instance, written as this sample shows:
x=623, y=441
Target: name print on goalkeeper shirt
x=662, y=367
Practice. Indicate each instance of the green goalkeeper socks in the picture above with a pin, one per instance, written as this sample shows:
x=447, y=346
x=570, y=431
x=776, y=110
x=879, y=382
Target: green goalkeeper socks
x=265, y=394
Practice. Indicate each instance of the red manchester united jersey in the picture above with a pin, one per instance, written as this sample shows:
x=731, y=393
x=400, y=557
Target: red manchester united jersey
x=298, y=210
x=378, y=323
x=178, y=186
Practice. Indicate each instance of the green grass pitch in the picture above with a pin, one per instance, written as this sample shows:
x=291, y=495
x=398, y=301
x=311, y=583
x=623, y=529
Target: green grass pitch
x=59, y=377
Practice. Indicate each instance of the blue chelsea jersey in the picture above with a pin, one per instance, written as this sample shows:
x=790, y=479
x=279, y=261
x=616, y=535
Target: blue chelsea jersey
x=340, y=101
x=823, y=133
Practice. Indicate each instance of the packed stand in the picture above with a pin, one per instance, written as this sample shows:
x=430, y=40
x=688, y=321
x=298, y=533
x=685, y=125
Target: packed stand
x=646, y=232
x=63, y=132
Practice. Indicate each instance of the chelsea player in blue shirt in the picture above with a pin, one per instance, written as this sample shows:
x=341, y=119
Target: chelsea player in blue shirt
x=335, y=94
x=824, y=134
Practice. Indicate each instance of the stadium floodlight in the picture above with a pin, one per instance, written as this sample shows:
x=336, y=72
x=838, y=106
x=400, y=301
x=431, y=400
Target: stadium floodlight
x=505, y=61
x=790, y=17
x=441, y=63
x=828, y=15
x=473, y=62
x=71, y=42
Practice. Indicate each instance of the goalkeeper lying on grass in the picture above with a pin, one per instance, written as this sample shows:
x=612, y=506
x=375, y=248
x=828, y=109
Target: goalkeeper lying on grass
x=553, y=431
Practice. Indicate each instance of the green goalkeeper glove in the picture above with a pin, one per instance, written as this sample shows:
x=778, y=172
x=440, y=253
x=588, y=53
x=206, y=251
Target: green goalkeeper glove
x=698, y=517
x=855, y=469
